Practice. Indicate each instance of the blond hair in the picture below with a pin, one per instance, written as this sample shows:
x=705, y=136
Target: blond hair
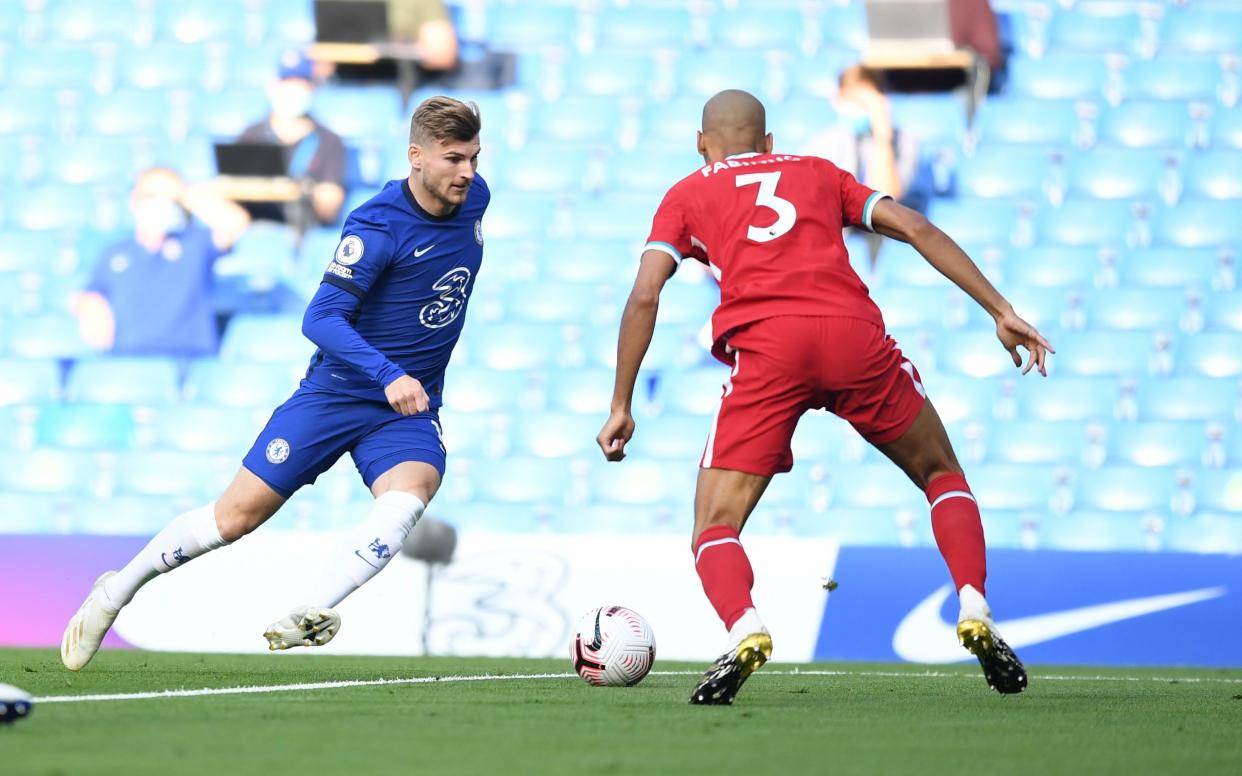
x=443, y=118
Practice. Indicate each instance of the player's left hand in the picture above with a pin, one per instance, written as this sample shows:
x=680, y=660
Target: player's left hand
x=616, y=432
x=1012, y=331
x=406, y=395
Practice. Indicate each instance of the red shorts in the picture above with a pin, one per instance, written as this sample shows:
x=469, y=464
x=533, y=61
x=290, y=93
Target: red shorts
x=788, y=365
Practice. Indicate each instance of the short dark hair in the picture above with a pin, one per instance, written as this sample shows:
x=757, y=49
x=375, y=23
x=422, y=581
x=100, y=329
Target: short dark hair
x=443, y=118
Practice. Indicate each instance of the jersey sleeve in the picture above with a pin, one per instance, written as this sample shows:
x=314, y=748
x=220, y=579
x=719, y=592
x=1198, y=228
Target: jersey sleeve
x=670, y=228
x=857, y=201
x=364, y=253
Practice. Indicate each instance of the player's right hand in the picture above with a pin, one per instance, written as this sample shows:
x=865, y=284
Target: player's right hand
x=616, y=432
x=406, y=395
x=1013, y=331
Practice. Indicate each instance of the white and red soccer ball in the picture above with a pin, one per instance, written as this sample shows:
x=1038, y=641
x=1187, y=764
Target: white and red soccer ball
x=612, y=647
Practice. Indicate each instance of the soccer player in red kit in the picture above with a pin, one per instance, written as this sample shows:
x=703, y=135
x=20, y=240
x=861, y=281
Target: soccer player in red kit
x=801, y=332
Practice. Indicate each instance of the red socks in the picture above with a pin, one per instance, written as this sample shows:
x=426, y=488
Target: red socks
x=958, y=530
x=725, y=571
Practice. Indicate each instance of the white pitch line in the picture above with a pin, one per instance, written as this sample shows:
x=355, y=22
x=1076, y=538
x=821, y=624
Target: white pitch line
x=272, y=688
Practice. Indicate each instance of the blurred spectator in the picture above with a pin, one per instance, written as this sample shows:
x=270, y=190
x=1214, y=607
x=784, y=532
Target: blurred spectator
x=316, y=154
x=864, y=141
x=151, y=293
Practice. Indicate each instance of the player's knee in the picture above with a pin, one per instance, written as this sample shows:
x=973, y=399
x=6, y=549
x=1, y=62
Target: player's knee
x=714, y=517
x=235, y=521
x=937, y=470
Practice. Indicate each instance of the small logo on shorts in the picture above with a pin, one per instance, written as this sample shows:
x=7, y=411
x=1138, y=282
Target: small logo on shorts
x=277, y=451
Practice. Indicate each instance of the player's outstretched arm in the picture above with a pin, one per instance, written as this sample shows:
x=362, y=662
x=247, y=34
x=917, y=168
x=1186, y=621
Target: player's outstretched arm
x=637, y=327
x=901, y=223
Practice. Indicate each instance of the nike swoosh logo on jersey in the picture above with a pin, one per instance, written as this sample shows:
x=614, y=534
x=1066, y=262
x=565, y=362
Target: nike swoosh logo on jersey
x=924, y=637
x=418, y=253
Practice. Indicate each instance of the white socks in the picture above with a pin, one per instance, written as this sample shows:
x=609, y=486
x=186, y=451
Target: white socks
x=748, y=623
x=367, y=548
x=974, y=605
x=182, y=540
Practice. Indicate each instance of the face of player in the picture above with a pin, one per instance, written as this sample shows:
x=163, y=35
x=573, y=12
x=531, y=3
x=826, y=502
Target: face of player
x=444, y=170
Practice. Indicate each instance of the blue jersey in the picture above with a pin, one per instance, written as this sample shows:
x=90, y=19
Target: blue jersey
x=393, y=299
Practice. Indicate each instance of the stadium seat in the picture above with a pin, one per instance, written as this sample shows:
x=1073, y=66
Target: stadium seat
x=754, y=28
x=1168, y=267
x=201, y=21
x=580, y=390
x=241, y=385
x=1209, y=533
x=643, y=483
x=693, y=391
x=28, y=381
x=619, y=74
x=1173, y=78
x=688, y=303
x=1100, y=353
x=1158, y=443
x=292, y=23
x=901, y=265
x=1085, y=222
x=874, y=486
x=85, y=21
x=1011, y=486
x=516, y=346
x=1146, y=124
x=524, y=217
x=703, y=75
x=27, y=110
x=1212, y=354
x=147, y=381
x=652, y=170
x=164, y=66
x=637, y=28
x=853, y=527
x=85, y=427
x=973, y=353
x=1043, y=122
x=252, y=67
x=28, y=513
x=819, y=77
x=266, y=339
x=92, y=160
x=1135, y=308
x=513, y=27
x=124, y=515
x=1125, y=489
x=578, y=120
x=1036, y=442
x=1201, y=31
x=1215, y=174
x=52, y=67
x=1199, y=223
x=959, y=397
x=55, y=207
x=1117, y=173
x=552, y=302
x=1087, y=32
x=190, y=476
x=555, y=168
x=44, y=336
x=260, y=257
x=556, y=435
x=1051, y=267
x=523, y=480
x=1063, y=398
x=975, y=221
x=1225, y=310
x=913, y=307
x=672, y=437
x=614, y=217
x=1094, y=531
x=1188, y=398
x=797, y=121
x=207, y=429
x=1004, y=171
x=475, y=433
x=46, y=471
x=675, y=125
x=129, y=112
x=357, y=112
x=1219, y=489
x=936, y=120
x=1226, y=126
x=227, y=114
x=1058, y=76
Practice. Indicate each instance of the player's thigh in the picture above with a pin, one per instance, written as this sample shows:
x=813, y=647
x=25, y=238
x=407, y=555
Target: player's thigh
x=726, y=497
x=923, y=451
x=247, y=503
x=402, y=453
x=304, y=437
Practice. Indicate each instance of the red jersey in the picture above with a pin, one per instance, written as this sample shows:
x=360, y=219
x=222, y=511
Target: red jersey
x=769, y=227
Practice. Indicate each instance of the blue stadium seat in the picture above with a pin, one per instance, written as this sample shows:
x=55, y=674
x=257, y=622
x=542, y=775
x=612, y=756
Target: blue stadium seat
x=92, y=160
x=519, y=217
x=958, y=397
x=260, y=256
x=27, y=111
x=1199, y=223
x=819, y=77
x=626, y=73
x=643, y=483
x=652, y=170
x=1087, y=531
x=515, y=346
x=1004, y=171
x=46, y=471
x=900, y=264
x=703, y=75
x=1051, y=266
x=1173, y=78
x=843, y=25
x=252, y=67
x=1213, y=533
x=607, y=262
x=578, y=120
x=1215, y=174
x=1212, y=354
x=1036, y=442
x=639, y=28
x=556, y=434
x=1125, y=489
x=1188, y=398
x=130, y=112
x=1226, y=127
x=1011, y=486
x=1219, y=489
x=14, y=21
x=207, y=429
x=797, y=121
x=973, y=353
x=201, y=21
x=755, y=28
x=28, y=381
x=1201, y=31
x=54, y=207
x=1102, y=34
x=1058, y=76
x=522, y=480
x=514, y=27
x=1043, y=122
x=27, y=513
x=850, y=526
x=689, y=303
x=226, y=114
x=189, y=476
x=1158, y=443
x=475, y=433
x=266, y=339
x=975, y=221
x=671, y=436
x=693, y=391
x=359, y=111
x=123, y=380
x=580, y=390
x=240, y=385
x=1168, y=267
x=164, y=66
x=1086, y=222
x=549, y=302
x=1063, y=398
x=874, y=486
x=674, y=124
x=85, y=427
x=51, y=67
x=615, y=217
x=1225, y=310
x=1135, y=308
x=124, y=515
x=44, y=336
x=1116, y=173
x=495, y=517
x=85, y=21
x=1146, y=124
x=912, y=307
x=1100, y=353
x=936, y=120
x=554, y=168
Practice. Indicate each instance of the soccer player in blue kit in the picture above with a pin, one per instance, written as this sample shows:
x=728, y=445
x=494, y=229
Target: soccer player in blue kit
x=385, y=319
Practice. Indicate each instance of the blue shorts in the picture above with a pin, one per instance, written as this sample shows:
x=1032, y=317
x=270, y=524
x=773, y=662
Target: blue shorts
x=315, y=427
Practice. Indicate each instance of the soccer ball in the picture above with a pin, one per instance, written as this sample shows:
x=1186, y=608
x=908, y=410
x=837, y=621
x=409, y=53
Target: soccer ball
x=612, y=647
x=15, y=704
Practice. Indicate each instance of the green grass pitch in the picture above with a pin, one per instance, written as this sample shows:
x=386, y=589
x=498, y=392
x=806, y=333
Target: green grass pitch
x=867, y=719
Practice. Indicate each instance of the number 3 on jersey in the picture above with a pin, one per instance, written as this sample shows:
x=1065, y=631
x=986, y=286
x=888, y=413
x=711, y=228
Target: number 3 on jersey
x=786, y=214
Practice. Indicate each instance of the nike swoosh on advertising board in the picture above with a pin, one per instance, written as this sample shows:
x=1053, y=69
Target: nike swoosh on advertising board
x=924, y=637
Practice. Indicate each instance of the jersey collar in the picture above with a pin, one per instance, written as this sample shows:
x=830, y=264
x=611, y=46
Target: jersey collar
x=409, y=197
x=745, y=155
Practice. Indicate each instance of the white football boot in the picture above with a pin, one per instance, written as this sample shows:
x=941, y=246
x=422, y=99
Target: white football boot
x=305, y=626
x=86, y=630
